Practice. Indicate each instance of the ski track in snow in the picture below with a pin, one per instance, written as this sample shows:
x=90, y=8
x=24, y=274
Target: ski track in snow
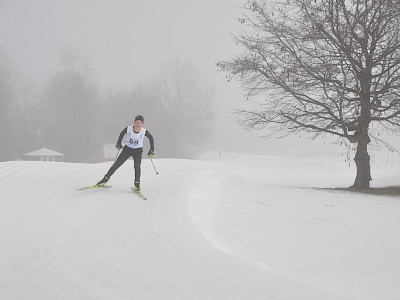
x=185, y=242
x=10, y=170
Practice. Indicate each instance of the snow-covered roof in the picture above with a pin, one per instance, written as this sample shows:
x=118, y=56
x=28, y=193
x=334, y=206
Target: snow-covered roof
x=44, y=152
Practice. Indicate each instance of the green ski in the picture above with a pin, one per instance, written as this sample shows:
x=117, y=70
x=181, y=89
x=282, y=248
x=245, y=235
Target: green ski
x=139, y=193
x=89, y=187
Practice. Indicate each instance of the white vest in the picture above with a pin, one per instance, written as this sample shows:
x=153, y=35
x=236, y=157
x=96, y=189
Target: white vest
x=135, y=140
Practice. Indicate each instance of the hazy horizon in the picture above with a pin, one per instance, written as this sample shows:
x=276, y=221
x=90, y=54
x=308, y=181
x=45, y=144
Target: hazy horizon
x=126, y=42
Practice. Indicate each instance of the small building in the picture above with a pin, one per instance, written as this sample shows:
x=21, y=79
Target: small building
x=44, y=154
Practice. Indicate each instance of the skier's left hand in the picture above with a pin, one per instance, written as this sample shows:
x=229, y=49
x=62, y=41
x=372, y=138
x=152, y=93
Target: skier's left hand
x=150, y=154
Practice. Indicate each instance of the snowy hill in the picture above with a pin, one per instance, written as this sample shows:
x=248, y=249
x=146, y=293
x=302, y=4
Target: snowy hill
x=239, y=227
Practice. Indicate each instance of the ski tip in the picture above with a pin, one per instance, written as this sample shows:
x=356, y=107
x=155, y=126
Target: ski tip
x=139, y=193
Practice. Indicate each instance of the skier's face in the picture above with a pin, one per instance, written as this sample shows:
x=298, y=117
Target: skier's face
x=138, y=124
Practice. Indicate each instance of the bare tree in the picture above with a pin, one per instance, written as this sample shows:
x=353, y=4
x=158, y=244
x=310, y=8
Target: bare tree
x=15, y=110
x=24, y=116
x=7, y=97
x=120, y=106
x=326, y=67
x=177, y=107
x=18, y=110
x=69, y=107
x=188, y=104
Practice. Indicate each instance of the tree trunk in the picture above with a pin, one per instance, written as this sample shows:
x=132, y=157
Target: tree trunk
x=362, y=161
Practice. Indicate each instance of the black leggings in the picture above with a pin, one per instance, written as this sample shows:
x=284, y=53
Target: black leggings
x=123, y=156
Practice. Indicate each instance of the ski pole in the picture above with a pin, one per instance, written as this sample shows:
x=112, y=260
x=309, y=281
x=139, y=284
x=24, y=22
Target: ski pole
x=116, y=156
x=154, y=166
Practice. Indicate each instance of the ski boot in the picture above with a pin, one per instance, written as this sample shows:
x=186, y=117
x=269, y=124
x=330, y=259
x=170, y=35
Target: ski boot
x=103, y=181
x=136, y=184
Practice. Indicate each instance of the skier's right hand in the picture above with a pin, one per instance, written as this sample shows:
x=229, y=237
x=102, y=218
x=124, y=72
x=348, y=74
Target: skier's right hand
x=118, y=146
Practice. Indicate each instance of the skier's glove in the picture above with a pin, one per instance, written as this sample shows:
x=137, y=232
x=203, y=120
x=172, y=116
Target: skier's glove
x=118, y=146
x=150, y=154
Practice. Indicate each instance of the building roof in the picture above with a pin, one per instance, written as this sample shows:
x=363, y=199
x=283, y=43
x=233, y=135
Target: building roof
x=44, y=152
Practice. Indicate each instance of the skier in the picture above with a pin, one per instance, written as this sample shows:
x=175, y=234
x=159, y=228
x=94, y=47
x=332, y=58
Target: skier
x=134, y=148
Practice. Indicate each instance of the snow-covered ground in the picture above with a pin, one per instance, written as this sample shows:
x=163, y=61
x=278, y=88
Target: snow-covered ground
x=244, y=226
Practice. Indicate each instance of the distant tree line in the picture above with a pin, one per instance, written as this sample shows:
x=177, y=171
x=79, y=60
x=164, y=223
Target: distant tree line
x=73, y=115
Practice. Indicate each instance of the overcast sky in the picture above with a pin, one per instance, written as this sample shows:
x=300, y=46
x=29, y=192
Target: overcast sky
x=127, y=40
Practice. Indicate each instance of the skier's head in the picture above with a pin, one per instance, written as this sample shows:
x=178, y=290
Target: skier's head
x=139, y=118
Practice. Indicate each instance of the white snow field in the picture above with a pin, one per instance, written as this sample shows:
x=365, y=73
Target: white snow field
x=244, y=226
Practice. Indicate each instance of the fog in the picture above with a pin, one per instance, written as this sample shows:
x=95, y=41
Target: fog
x=125, y=42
